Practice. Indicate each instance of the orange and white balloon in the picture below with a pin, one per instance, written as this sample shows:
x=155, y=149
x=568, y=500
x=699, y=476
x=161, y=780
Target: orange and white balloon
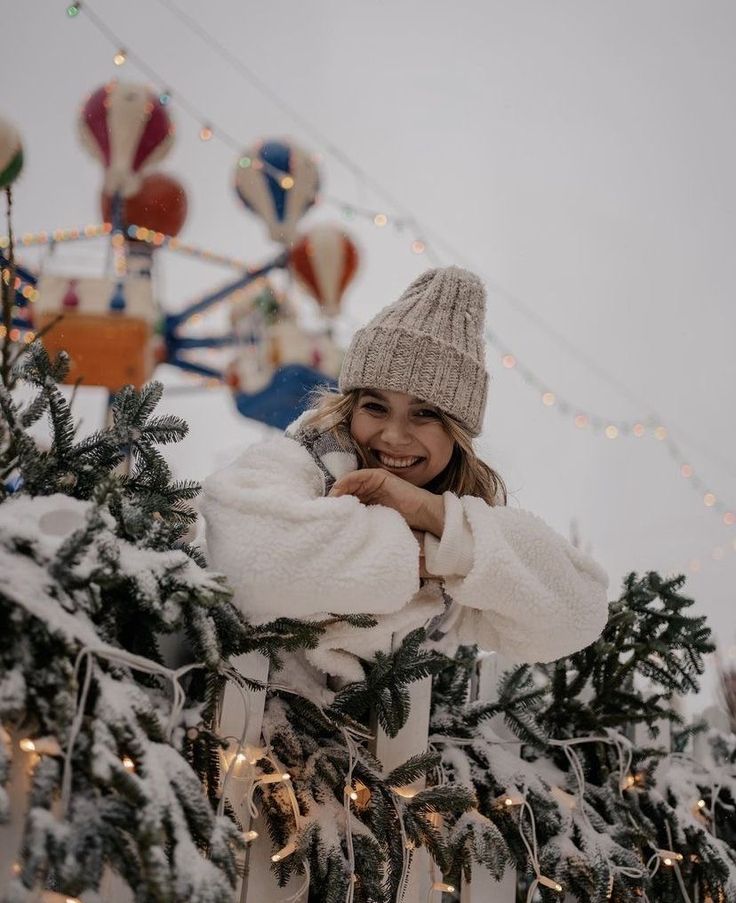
x=324, y=263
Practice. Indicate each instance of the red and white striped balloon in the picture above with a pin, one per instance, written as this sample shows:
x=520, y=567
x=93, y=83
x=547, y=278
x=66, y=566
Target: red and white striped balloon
x=127, y=128
x=324, y=262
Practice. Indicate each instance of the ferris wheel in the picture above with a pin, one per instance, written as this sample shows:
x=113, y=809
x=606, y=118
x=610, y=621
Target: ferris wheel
x=114, y=329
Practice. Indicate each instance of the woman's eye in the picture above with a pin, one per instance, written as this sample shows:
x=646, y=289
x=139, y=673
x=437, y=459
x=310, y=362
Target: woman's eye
x=427, y=414
x=372, y=406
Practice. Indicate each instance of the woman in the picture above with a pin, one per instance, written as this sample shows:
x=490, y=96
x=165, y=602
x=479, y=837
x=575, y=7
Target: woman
x=375, y=502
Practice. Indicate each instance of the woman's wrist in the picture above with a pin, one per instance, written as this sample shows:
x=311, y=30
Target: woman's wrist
x=431, y=515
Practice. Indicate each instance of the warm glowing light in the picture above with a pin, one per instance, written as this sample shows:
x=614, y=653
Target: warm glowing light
x=250, y=836
x=660, y=433
x=418, y=246
x=701, y=804
x=283, y=853
x=611, y=431
x=549, y=882
x=27, y=745
x=628, y=782
x=206, y=133
x=443, y=888
x=509, y=361
x=581, y=421
x=128, y=763
x=729, y=518
x=666, y=860
x=548, y=398
x=380, y=219
x=638, y=430
x=287, y=182
x=120, y=57
x=686, y=471
x=709, y=499
x=406, y=792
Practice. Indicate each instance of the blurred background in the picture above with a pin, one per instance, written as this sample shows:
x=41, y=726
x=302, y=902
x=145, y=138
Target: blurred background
x=578, y=156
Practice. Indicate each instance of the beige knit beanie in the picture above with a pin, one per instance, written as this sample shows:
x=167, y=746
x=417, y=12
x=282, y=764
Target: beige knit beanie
x=429, y=343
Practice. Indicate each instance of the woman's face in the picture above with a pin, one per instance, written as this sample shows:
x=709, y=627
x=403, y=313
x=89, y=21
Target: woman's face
x=404, y=435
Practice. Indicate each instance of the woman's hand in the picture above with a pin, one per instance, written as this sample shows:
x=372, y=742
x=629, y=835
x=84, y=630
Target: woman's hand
x=421, y=509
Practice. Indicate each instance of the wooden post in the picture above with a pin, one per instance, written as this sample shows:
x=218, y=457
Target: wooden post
x=257, y=884
x=394, y=751
x=483, y=888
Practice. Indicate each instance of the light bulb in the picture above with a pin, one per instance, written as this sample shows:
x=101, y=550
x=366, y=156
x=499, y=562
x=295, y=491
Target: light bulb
x=638, y=430
x=548, y=398
x=26, y=744
x=380, y=219
x=128, y=763
x=284, y=852
x=660, y=433
x=250, y=836
x=206, y=133
x=120, y=57
x=581, y=421
x=709, y=499
x=509, y=361
x=611, y=431
x=72, y=10
x=287, y=183
x=418, y=247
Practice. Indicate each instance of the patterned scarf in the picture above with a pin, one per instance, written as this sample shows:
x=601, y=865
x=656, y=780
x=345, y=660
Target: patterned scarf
x=332, y=457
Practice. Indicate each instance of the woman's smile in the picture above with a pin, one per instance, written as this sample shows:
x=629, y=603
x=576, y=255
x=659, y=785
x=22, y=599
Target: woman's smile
x=394, y=462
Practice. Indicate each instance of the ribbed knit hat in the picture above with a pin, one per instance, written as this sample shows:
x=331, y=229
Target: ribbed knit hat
x=429, y=344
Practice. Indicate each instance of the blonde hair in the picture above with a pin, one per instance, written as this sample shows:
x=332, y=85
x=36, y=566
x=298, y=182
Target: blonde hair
x=465, y=474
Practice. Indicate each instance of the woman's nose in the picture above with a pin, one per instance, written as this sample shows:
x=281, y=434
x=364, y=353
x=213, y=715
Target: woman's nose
x=396, y=433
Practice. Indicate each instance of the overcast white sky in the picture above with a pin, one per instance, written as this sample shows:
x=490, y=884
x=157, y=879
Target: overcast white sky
x=578, y=154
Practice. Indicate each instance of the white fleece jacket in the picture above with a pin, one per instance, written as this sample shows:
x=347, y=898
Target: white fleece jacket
x=517, y=586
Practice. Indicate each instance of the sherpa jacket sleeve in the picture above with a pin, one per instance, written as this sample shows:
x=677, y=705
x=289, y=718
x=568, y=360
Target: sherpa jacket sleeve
x=288, y=551
x=519, y=587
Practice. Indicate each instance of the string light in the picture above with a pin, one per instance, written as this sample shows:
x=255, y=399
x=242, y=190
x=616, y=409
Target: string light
x=550, y=882
x=206, y=133
x=443, y=888
x=507, y=800
x=284, y=852
x=273, y=778
x=120, y=57
x=128, y=764
x=548, y=399
x=418, y=247
x=72, y=10
x=380, y=220
x=406, y=793
x=287, y=183
x=709, y=499
x=611, y=432
x=27, y=745
x=250, y=836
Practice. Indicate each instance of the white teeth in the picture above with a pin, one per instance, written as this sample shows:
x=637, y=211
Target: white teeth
x=396, y=462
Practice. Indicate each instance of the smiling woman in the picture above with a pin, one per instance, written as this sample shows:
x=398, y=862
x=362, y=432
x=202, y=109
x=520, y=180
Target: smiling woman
x=376, y=503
